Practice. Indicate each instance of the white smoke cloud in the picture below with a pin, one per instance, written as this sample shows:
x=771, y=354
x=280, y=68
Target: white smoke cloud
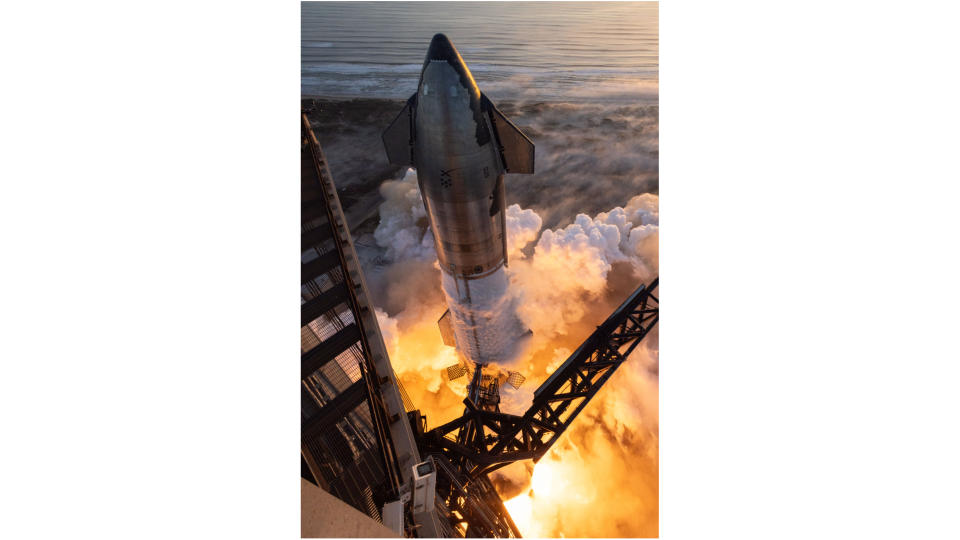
x=403, y=231
x=523, y=226
x=570, y=266
x=389, y=330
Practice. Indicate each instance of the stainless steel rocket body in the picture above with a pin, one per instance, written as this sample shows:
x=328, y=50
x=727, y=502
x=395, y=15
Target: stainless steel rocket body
x=461, y=146
x=459, y=169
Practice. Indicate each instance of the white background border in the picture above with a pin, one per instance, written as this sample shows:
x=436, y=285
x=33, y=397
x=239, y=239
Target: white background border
x=149, y=211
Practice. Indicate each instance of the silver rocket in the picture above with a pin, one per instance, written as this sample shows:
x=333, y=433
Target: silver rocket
x=461, y=146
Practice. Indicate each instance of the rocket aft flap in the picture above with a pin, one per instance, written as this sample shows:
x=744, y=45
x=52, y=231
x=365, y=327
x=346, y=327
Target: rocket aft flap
x=461, y=146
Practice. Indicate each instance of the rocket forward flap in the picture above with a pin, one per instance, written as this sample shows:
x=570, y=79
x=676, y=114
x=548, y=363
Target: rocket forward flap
x=398, y=138
x=516, y=149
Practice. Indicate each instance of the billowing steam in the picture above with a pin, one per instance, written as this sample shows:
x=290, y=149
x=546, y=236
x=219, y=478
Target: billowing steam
x=601, y=478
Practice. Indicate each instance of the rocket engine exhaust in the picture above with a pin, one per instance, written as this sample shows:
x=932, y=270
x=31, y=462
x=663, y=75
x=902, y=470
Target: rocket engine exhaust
x=462, y=146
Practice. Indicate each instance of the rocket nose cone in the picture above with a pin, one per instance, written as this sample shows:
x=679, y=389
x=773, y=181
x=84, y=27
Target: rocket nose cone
x=442, y=49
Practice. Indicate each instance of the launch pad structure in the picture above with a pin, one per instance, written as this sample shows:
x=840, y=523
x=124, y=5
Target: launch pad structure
x=362, y=439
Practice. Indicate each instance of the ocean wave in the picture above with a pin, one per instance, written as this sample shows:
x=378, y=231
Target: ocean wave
x=361, y=69
x=621, y=92
x=374, y=69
